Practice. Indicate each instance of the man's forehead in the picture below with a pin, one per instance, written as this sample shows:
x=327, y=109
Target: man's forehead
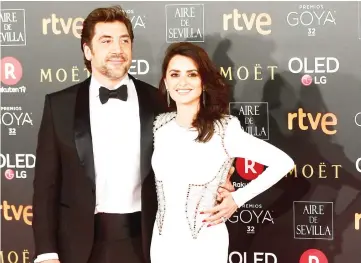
x=111, y=28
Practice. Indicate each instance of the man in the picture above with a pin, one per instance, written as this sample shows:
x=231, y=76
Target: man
x=93, y=171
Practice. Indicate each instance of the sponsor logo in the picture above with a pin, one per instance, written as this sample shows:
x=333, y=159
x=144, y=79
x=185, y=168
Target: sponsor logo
x=322, y=121
x=313, y=256
x=76, y=74
x=315, y=69
x=14, y=256
x=16, y=165
x=14, y=118
x=13, y=32
x=257, y=72
x=358, y=119
x=253, y=116
x=358, y=164
x=313, y=220
x=11, y=74
x=357, y=221
x=252, y=215
x=260, y=257
x=184, y=22
x=311, y=18
x=73, y=25
x=321, y=171
x=261, y=23
x=21, y=213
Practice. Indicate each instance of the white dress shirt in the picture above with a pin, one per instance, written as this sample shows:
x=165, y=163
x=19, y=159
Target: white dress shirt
x=115, y=128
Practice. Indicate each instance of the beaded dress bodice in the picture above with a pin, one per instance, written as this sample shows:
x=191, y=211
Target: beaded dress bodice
x=187, y=174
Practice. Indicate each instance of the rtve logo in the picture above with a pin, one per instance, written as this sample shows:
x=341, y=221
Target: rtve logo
x=306, y=121
x=357, y=221
x=22, y=213
x=242, y=21
x=63, y=26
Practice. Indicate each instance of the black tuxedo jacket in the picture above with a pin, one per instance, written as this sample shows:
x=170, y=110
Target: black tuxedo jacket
x=64, y=183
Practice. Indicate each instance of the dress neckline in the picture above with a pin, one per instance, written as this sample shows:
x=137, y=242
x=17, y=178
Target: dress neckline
x=182, y=127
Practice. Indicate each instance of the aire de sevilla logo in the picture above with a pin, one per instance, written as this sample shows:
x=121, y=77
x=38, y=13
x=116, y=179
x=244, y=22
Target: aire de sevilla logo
x=248, y=169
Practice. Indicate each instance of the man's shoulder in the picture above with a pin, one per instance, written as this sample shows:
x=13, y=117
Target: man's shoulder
x=70, y=90
x=144, y=84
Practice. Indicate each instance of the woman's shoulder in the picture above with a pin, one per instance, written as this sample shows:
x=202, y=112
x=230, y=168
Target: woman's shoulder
x=162, y=119
x=220, y=125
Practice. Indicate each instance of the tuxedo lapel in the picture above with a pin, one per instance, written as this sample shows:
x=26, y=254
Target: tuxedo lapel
x=82, y=131
x=146, y=116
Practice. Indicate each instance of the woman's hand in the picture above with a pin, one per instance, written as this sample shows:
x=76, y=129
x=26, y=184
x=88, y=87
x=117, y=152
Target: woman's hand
x=223, y=211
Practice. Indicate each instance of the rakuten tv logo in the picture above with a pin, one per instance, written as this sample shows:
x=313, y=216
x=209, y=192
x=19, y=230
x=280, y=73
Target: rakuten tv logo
x=315, y=69
x=16, y=165
x=313, y=256
x=11, y=71
x=324, y=121
x=247, y=170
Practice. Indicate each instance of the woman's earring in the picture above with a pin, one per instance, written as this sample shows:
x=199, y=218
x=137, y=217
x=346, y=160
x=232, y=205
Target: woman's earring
x=168, y=97
x=204, y=97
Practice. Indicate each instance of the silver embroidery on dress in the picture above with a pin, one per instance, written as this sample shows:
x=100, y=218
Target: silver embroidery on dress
x=160, y=121
x=203, y=196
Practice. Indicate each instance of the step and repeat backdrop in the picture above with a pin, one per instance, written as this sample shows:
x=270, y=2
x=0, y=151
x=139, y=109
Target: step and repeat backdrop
x=295, y=73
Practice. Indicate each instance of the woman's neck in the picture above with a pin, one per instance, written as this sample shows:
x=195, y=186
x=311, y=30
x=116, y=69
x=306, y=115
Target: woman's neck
x=186, y=115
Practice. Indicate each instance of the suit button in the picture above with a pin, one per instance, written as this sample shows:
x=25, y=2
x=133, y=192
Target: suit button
x=93, y=191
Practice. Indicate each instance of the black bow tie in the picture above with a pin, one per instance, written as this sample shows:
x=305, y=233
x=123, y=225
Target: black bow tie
x=119, y=93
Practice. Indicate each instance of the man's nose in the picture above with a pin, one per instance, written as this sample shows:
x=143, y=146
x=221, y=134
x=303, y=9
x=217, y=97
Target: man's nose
x=117, y=47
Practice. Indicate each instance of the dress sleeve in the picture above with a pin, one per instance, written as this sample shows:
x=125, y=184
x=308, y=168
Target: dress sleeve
x=239, y=143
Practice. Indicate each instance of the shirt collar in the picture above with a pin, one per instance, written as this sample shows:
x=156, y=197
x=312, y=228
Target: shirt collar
x=95, y=85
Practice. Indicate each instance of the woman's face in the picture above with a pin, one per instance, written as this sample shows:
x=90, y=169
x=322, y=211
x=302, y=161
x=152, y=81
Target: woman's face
x=183, y=81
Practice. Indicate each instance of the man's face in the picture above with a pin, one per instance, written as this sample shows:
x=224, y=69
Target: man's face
x=111, y=50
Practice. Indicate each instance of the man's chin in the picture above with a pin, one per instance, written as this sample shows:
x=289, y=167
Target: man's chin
x=117, y=74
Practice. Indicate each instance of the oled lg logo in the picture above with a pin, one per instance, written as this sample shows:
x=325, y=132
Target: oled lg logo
x=313, y=256
x=251, y=22
x=315, y=69
x=16, y=165
x=260, y=257
x=324, y=121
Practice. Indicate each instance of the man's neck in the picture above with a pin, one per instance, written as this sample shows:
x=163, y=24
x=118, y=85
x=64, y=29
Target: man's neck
x=106, y=82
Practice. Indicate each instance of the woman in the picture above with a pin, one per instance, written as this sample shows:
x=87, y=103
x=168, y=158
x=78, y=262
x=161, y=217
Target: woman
x=195, y=144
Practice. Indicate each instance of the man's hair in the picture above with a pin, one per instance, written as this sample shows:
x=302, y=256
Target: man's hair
x=104, y=14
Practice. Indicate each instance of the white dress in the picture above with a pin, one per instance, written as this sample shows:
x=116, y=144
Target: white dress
x=188, y=174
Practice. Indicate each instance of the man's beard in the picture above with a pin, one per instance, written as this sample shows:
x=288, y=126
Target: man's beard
x=115, y=72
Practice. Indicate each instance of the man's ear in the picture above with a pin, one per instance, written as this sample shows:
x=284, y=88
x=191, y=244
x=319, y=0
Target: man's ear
x=87, y=52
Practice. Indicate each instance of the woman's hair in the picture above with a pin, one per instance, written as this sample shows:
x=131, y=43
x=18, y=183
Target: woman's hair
x=216, y=91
